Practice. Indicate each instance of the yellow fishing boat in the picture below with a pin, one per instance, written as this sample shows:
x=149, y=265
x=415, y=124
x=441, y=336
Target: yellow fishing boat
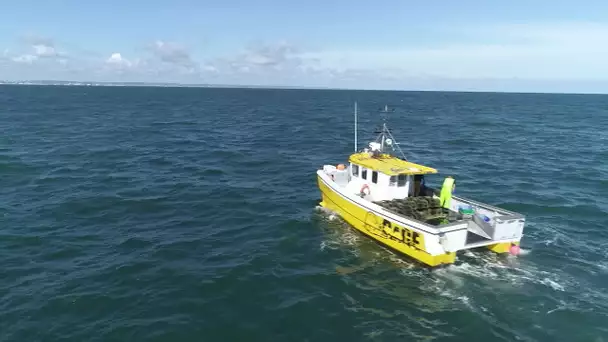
x=386, y=198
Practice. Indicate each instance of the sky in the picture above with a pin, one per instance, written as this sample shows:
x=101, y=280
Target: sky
x=538, y=46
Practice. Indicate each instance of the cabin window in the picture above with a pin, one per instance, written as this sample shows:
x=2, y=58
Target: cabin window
x=355, y=170
x=401, y=180
x=392, y=181
x=364, y=173
x=375, y=177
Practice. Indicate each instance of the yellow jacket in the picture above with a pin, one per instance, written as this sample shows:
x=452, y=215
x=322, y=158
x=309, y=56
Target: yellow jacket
x=445, y=197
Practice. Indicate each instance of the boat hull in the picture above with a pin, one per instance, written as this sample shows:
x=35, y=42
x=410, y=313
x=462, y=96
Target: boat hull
x=403, y=239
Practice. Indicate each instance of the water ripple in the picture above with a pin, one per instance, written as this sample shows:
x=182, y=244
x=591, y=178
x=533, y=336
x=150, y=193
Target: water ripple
x=189, y=214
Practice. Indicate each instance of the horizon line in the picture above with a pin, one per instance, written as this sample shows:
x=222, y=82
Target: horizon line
x=257, y=86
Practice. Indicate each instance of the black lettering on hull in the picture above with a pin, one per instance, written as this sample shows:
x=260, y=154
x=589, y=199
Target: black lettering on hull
x=396, y=232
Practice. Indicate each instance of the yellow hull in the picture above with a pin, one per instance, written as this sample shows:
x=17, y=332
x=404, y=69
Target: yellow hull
x=403, y=239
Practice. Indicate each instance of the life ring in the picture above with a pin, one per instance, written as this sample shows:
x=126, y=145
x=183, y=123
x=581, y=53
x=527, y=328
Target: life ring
x=365, y=186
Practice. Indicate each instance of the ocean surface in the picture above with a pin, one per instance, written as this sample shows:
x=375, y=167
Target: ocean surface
x=191, y=214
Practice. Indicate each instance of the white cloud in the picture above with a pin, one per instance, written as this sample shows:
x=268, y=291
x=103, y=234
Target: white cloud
x=209, y=68
x=512, y=54
x=117, y=60
x=523, y=51
x=172, y=53
x=38, y=49
x=42, y=47
x=45, y=50
x=26, y=59
x=264, y=59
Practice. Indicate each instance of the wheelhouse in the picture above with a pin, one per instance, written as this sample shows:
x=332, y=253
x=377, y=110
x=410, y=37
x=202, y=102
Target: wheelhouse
x=387, y=177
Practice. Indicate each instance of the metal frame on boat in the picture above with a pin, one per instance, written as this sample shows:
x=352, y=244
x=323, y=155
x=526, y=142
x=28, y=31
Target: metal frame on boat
x=385, y=197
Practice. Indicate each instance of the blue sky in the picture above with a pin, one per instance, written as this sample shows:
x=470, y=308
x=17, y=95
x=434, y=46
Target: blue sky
x=454, y=45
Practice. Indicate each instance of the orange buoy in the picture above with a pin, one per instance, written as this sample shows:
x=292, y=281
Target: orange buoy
x=514, y=250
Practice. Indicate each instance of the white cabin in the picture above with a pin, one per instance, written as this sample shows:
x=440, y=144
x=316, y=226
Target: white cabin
x=381, y=176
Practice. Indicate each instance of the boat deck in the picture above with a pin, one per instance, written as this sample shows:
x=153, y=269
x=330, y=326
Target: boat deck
x=422, y=208
x=426, y=209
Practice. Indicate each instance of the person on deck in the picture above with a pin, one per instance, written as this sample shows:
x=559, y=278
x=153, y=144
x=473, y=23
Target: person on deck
x=445, y=197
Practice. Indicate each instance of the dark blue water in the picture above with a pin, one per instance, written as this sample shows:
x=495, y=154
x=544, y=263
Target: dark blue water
x=183, y=214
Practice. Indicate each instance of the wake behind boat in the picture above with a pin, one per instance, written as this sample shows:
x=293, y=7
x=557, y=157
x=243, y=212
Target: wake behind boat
x=386, y=197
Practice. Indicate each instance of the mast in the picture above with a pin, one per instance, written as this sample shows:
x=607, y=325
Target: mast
x=355, y=126
x=383, y=136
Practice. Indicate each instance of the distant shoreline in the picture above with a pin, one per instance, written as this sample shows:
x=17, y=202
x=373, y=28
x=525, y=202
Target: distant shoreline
x=145, y=84
x=269, y=87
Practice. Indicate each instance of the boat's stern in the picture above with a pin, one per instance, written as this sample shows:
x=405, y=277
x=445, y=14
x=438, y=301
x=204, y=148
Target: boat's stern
x=494, y=228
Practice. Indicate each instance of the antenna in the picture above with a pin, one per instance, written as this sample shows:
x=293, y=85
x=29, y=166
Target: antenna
x=355, y=126
x=394, y=142
x=382, y=140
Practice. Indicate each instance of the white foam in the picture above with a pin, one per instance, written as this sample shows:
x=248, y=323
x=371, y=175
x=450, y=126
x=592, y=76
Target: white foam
x=340, y=234
x=550, y=241
x=505, y=274
x=553, y=284
x=562, y=306
x=465, y=300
